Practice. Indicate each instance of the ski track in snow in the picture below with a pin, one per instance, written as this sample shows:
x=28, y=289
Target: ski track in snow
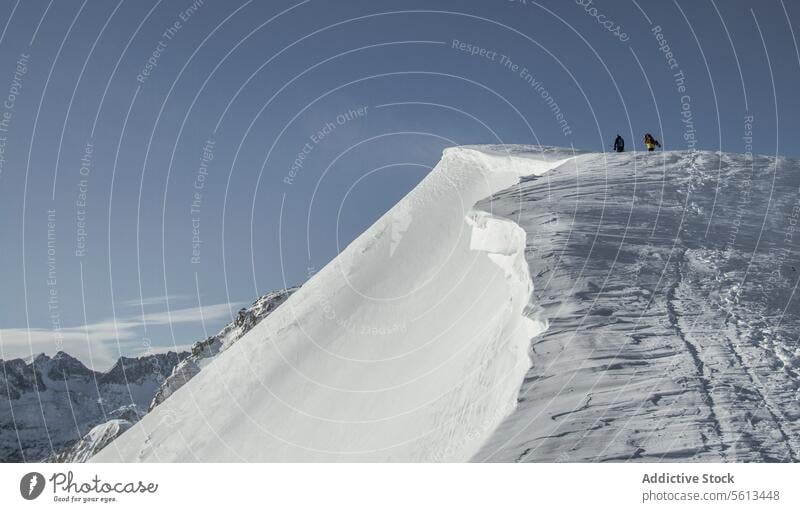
x=661, y=320
x=671, y=338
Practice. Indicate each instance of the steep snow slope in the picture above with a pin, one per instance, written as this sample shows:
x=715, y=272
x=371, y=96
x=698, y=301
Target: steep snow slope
x=410, y=345
x=669, y=281
x=94, y=441
x=203, y=352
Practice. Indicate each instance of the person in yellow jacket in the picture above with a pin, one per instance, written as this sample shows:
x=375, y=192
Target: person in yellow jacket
x=650, y=142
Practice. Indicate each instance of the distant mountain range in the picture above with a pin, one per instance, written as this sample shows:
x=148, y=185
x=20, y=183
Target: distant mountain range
x=56, y=409
x=47, y=403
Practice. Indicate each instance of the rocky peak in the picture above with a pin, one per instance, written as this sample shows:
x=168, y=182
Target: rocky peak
x=204, y=351
x=19, y=377
x=63, y=366
x=134, y=369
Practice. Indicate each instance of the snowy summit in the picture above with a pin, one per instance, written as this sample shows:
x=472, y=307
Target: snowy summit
x=524, y=304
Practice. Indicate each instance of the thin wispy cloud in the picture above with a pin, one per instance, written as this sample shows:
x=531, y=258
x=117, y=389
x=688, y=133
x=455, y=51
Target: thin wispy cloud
x=157, y=300
x=99, y=344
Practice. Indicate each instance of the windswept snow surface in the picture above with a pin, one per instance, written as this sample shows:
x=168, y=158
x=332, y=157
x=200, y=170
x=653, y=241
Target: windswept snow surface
x=664, y=322
x=670, y=285
x=411, y=345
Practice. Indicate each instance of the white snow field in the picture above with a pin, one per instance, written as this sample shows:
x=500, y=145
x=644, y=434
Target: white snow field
x=669, y=281
x=618, y=307
x=411, y=345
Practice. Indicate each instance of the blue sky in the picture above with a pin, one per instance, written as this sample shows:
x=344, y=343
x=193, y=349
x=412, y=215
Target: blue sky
x=164, y=163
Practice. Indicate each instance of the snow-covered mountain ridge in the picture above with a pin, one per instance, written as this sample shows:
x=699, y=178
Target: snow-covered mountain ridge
x=657, y=290
x=203, y=352
x=410, y=345
x=670, y=281
x=47, y=403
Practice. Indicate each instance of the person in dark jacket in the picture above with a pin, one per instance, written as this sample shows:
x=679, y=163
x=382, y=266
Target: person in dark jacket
x=650, y=142
x=619, y=144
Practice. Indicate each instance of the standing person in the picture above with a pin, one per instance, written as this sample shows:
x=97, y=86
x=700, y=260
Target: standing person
x=619, y=144
x=650, y=142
